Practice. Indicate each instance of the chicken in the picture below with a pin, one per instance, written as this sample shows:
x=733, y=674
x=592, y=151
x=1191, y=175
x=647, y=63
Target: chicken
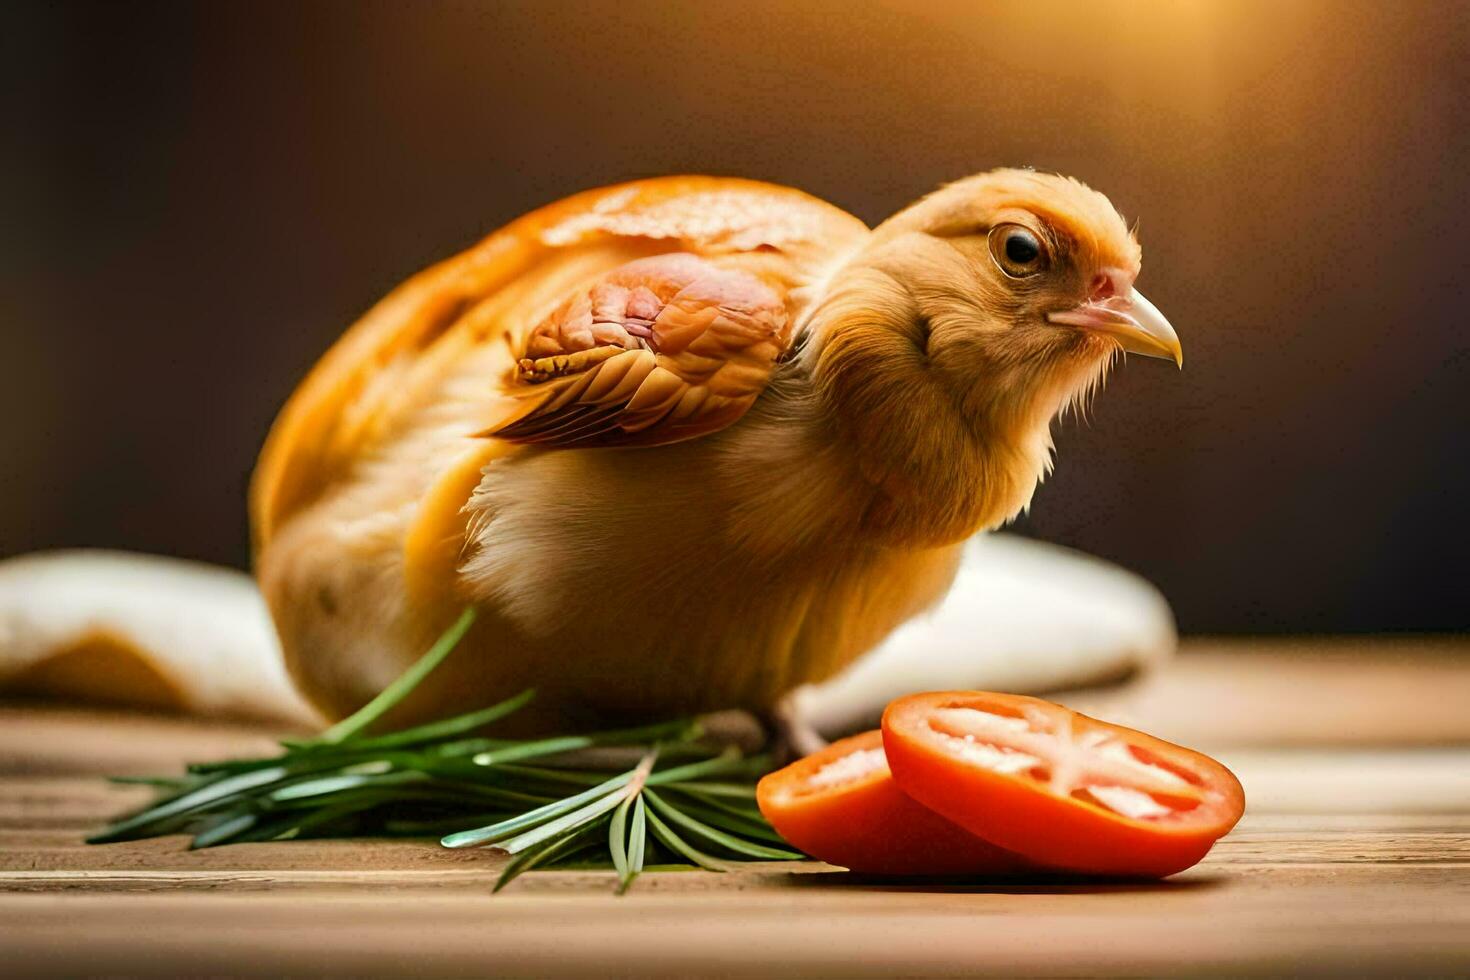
x=685, y=444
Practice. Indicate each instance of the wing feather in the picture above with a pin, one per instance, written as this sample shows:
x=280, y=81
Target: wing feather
x=687, y=347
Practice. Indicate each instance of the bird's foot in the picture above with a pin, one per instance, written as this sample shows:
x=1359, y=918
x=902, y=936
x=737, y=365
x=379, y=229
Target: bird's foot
x=792, y=737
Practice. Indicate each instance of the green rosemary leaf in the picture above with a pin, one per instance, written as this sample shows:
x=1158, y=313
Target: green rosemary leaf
x=360, y=799
x=531, y=750
x=306, y=759
x=459, y=725
x=396, y=691
x=427, y=795
x=143, y=824
x=742, y=791
x=189, y=784
x=234, y=767
x=637, y=845
x=678, y=845
x=665, y=731
x=728, y=819
x=226, y=767
x=465, y=747
x=617, y=837
x=610, y=750
x=158, y=782
x=561, y=847
x=508, y=828
x=739, y=805
x=591, y=811
x=439, y=826
x=264, y=829
x=714, y=835
x=562, y=824
x=293, y=828
x=541, y=774
x=486, y=793
x=223, y=830
x=729, y=759
x=583, y=854
x=470, y=790
x=210, y=794
x=326, y=785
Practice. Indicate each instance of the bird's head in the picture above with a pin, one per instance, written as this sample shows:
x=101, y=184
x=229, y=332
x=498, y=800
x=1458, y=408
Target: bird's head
x=999, y=300
x=1023, y=277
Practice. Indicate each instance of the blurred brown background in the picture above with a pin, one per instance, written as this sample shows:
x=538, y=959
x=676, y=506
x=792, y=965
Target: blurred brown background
x=198, y=198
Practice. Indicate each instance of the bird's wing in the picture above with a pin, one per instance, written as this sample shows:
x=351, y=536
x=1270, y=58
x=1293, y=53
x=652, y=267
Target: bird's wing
x=662, y=349
x=504, y=285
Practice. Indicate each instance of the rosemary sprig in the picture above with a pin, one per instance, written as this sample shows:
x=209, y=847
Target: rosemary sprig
x=657, y=796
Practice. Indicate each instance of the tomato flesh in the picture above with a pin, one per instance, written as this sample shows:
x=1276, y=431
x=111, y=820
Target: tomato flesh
x=842, y=806
x=1067, y=791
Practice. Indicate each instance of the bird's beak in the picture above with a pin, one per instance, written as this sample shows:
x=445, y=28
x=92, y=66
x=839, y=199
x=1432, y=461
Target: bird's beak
x=1131, y=320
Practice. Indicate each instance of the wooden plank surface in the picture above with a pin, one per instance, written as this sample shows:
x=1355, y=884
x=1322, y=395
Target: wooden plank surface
x=1304, y=691
x=1353, y=858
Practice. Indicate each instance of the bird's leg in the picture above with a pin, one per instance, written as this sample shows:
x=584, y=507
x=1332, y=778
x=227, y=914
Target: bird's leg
x=781, y=731
x=792, y=737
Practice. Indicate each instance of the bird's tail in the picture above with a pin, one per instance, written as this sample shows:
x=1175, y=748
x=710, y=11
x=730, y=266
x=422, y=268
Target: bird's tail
x=108, y=627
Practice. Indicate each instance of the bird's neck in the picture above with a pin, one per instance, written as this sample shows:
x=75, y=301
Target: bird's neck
x=921, y=459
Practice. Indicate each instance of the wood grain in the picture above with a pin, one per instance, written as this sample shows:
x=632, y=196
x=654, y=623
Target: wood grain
x=1303, y=691
x=1353, y=859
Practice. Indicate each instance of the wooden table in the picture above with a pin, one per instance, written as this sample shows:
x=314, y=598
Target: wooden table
x=1354, y=858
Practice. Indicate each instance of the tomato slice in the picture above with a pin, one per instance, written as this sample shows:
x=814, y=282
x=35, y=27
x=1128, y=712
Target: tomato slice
x=841, y=805
x=1068, y=791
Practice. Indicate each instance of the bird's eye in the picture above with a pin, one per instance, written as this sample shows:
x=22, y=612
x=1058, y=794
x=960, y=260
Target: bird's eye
x=1017, y=251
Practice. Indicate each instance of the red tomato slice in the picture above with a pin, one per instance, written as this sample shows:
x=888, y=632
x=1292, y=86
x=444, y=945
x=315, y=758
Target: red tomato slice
x=1063, y=789
x=841, y=805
